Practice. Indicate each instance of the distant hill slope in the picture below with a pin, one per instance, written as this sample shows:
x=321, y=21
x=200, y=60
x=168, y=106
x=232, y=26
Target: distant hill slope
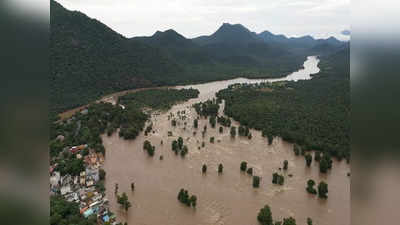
x=88, y=59
x=304, y=44
x=232, y=48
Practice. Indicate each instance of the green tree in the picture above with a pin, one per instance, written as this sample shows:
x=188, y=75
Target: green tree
x=322, y=190
x=195, y=123
x=256, y=181
x=289, y=221
x=324, y=165
x=204, y=168
x=264, y=216
x=123, y=201
x=250, y=171
x=212, y=139
x=221, y=130
x=296, y=149
x=317, y=156
x=180, y=142
x=193, y=201
x=285, y=165
x=175, y=146
x=243, y=166
x=309, y=221
x=184, y=151
x=310, y=187
x=308, y=159
x=220, y=168
x=212, y=121
x=233, y=131
x=102, y=174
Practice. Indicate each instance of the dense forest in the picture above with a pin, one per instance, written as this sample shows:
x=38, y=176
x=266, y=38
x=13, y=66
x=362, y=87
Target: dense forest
x=89, y=60
x=161, y=99
x=65, y=213
x=312, y=113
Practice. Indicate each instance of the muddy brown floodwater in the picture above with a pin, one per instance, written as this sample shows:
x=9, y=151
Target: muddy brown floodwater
x=226, y=198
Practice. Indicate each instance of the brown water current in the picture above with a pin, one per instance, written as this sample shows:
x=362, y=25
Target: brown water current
x=226, y=198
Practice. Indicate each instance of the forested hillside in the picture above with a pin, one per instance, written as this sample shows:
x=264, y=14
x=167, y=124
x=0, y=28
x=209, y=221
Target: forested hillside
x=89, y=60
x=312, y=113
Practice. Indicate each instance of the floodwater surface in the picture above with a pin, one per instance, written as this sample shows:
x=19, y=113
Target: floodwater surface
x=226, y=198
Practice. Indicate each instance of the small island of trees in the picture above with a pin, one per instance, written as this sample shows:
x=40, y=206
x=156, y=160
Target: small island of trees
x=185, y=198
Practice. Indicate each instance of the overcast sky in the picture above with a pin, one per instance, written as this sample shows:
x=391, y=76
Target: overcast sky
x=192, y=18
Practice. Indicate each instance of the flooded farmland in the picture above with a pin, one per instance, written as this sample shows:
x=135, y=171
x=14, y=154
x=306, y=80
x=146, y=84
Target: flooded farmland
x=226, y=198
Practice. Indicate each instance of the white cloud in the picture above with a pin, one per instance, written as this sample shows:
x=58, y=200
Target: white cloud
x=198, y=17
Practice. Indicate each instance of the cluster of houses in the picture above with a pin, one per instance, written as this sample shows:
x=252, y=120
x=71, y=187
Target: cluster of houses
x=82, y=189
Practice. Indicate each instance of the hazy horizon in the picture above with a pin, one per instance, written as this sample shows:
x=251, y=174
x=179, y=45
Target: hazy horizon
x=193, y=18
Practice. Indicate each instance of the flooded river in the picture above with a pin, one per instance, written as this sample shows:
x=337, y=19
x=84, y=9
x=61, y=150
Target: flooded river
x=226, y=198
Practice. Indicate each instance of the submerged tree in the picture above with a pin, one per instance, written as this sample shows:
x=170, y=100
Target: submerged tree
x=308, y=159
x=310, y=187
x=212, y=139
x=220, y=168
x=256, y=181
x=250, y=171
x=123, y=201
x=212, y=121
x=285, y=165
x=322, y=190
x=264, y=217
x=289, y=221
x=243, y=166
x=233, y=131
x=204, y=168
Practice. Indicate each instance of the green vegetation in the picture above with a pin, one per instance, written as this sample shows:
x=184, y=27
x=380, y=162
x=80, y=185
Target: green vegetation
x=289, y=221
x=277, y=179
x=243, y=166
x=243, y=131
x=179, y=148
x=196, y=123
x=160, y=99
x=325, y=163
x=220, y=168
x=256, y=181
x=233, y=131
x=296, y=149
x=308, y=159
x=310, y=187
x=309, y=221
x=212, y=139
x=102, y=174
x=123, y=201
x=265, y=216
x=224, y=121
x=285, y=165
x=149, y=148
x=183, y=197
x=250, y=171
x=208, y=108
x=221, y=130
x=313, y=114
x=212, y=121
x=204, y=168
x=322, y=190
x=63, y=212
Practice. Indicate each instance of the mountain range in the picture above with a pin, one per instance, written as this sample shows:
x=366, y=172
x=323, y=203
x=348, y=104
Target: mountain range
x=88, y=59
